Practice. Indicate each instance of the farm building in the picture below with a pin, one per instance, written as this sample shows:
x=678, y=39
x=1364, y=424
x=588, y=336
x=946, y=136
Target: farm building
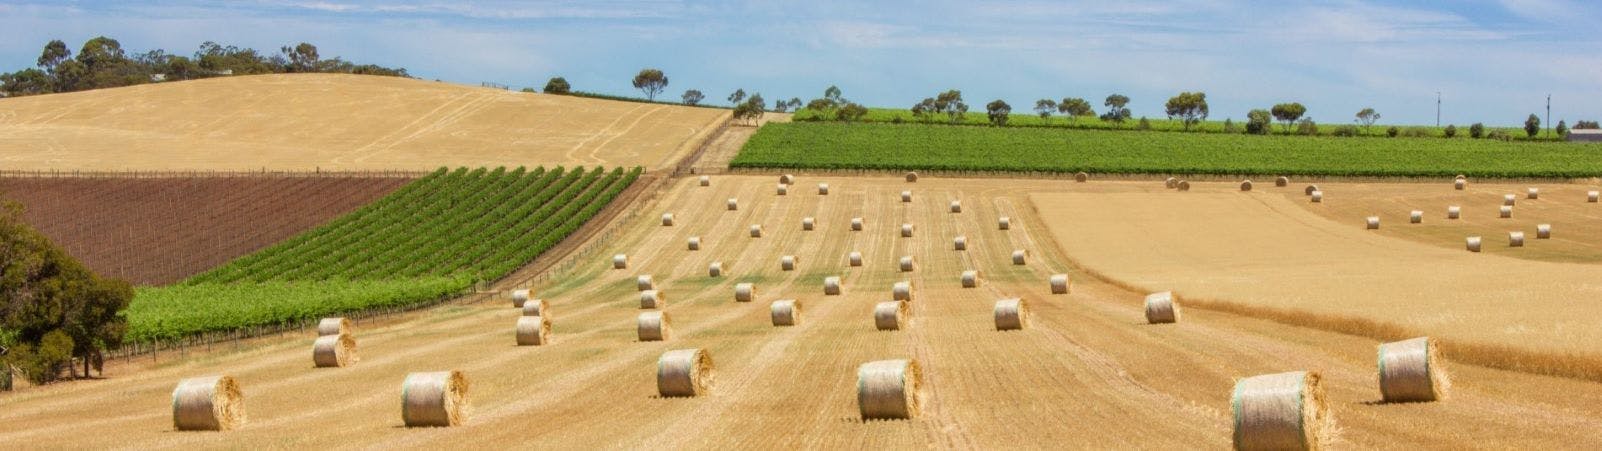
x=1585, y=135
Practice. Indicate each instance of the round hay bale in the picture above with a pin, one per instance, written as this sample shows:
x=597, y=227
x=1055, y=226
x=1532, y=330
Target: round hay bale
x=208, y=403
x=340, y=325
x=694, y=243
x=1282, y=181
x=1310, y=189
x=733, y=204
x=906, y=196
x=667, y=219
x=785, y=312
x=1460, y=177
x=956, y=206
x=436, y=399
x=1515, y=239
x=1505, y=212
x=1507, y=199
x=960, y=242
x=1059, y=284
x=1415, y=217
x=1373, y=222
x=1532, y=193
x=808, y=223
x=783, y=189
x=1454, y=212
x=645, y=282
x=912, y=177
x=856, y=224
x=906, y=263
x=743, y=291
x=756, y=231
x=1459, y=184
x=1018, y=256
x=1592, y=196
x=533, y=331
x=1004, y=223
x=1280, y=411
x=715, y=269
x=537, y=307
x=652, y=299
x=1160, y=308
x=787, y=179
x=831, y=286
x=1012, y=314
x=1543, y=231
x=889, y=390
x=653, y=326
x=1411, y=371
x=706, y=180
x=1081, y=177
x=787, y=263
x=1246, y=185
x=518, y=298
x=855, y=258
x=970, y=279
x=823, y=189
x=334, y=351
x=906, y=230
x=683, y=373
x=1317, y=197
x=901, y=291
x=1183, y=185
x=1473, y=243
x=890, y=315
x=620, y=261
x=1171, y=183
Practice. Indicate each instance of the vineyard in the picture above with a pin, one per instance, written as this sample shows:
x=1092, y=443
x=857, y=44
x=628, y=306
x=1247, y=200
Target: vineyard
x=932, y=147
x=153, y=231
x=430, y=239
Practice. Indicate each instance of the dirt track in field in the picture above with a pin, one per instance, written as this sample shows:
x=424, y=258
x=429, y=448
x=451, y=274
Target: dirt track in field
x=1088, y=375
x=303, y=122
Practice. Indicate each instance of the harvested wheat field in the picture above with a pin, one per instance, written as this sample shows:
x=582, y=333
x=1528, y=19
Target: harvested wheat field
x=1087, y=372
x=308, y=121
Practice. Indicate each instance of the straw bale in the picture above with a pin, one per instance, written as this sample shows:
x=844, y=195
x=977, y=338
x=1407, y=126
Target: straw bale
x=785, y=312
x=890, y=315
x=1019, y=256
x=901, y=291
x=208, y=403
x=652, y=299
x=970, y=278
x=533, y=331
x=434, y=399
x=340, y=325
x=743, y=291
x=653, y=326
x=334, y=351
x=1059, y=284
x=889, y=390
x=1281, y=411
x=831, y=286
x=684, y=373
x=620, y=261
x=1161, y=309
x=1411, y=371
x=1012, y=314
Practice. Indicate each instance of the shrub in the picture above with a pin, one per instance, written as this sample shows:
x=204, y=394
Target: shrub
x=43, y=364
x=1345, y=130
x=1477, y=130
x=1307, y=127
x=1417, y=132
x=1451, y=131
x=1229, y=126
x=1258, y=121
x=1393, y=131
x=1499, y=135
x=1144, y=124
x=558, y=85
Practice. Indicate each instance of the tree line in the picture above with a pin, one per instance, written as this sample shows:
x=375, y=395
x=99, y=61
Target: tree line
x=103, y=63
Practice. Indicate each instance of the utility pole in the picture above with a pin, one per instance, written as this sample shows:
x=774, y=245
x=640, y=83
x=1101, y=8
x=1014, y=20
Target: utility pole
x=1549, y=115
x=1437, y=109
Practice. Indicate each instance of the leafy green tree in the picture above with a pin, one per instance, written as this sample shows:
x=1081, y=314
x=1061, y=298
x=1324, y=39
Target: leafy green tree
x=528, y=90
x=26, y=82
x=1307, y=127
x=950, y=103
x=1144, y=124
x=1393, y=131
x=1450, y=131
x=925, y=109
x=737, y=96
x=1074, y=108
x=1584, y=124
x=651, y=82
x=998, y=111
x=693, y=97
x=54, y=53
x=1189, y=107
x=1044, y=108
x=1229, y=126
x=1562, y=129
x=851, y=112
x=1288, y=113
x=1477, y=130
x=1117, y=111
x=1258, y=122
x=557, y=85
x=302, y=58
x=1532, y=125
x=794, y=103
x=1367, y=117
x=833, y=95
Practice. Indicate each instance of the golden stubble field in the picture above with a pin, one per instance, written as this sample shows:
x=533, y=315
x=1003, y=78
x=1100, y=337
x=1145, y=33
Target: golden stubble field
x=304, y=122
x=1088, y=374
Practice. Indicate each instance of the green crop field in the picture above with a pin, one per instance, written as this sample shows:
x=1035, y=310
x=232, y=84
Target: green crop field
x=823, y=145
x=427, y=241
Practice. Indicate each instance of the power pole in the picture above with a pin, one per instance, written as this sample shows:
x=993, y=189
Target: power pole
x=1549, y=115
x=1437, y=109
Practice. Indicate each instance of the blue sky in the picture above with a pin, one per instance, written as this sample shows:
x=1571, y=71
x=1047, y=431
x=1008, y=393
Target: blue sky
x=1493, y=60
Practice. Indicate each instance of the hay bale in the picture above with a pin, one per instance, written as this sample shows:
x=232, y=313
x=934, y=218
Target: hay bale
x=1543, y=231
x=1459, y=184
x=1411, y=371
x=1282, y=181
x=912, y=177
x=855, y=258
x=960, y=242
x=1004, y=223
x=831, y=286
x=1592, y=196
x=706, y=180
x=684, y=373
x=653, y=326
x=1507, y=199
x=1171, y=183
x=1460, y=177
x=1310, y=189
x=1183, y=185
x=1473, y=243
x=436, y=399
x=732, y=204
x=1081, y=177
x=645, y=282
x=1415, y=217
x=1059, y=284
x=1018, y=256
x=620, y=261
x=823, y=189
x=785, y=312
x=890, y=315
x=1011, y=314
x=537, y=307
x=783, y=189
x=889, y=390
x=906, y=263
x=970, y=279
x=1454, y=212
x=756, y=231
x=533, y=331
x=1373, y=222
x=787, y=263
x=1505, y=212
x=901, y=291
x=787, y=179
x=715, y=269
x=693, y=243
x=208, y=403
x=518, y=298
x=340, y=325
x=1532, y=193
x=1246, y=185
x=652, y=299
x=667, y=219
x=856, y=224
x=808, y=223
x=1515, y=239
x=1160, y=308
x=743, y=291
x=906, y=196
x=1317, y=197
x=1280, y=411
x=906, y=230
x=956, y=206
